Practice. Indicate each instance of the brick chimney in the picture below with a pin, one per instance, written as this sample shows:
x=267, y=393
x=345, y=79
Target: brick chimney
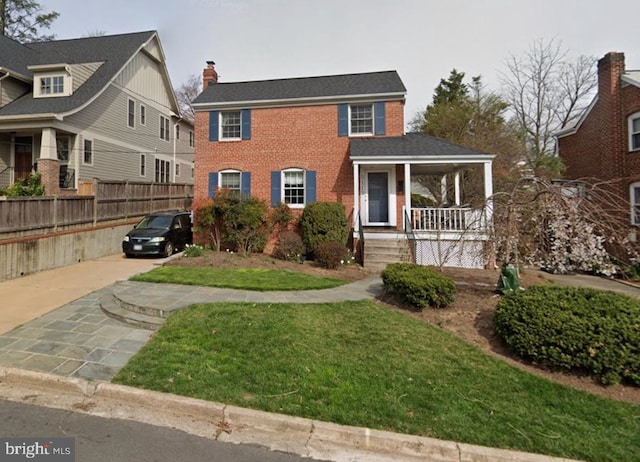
x=610, y=69
x=209, y=75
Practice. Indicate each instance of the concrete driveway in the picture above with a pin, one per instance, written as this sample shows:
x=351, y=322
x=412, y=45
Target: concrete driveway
x=29, y=297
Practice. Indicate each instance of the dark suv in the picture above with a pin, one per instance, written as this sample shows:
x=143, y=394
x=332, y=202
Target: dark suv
x=159, y=234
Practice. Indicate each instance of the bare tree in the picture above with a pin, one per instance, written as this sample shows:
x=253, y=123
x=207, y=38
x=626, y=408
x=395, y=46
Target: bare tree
x=186, y=93
x=546, y=92
x=22, y=20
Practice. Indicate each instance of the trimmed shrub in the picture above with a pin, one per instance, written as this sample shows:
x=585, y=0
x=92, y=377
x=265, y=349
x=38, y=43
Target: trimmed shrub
x=31, y=186
x=324, y=222
x=330, y=254
x=574, y=329
x=289, y=247
x=418, y=285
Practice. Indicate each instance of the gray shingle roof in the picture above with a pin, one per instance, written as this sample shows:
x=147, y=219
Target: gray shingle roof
x=373, y=83
x=114, y=50
x=411, y=144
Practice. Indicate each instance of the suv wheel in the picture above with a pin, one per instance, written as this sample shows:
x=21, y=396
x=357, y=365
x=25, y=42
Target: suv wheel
x=168, y=249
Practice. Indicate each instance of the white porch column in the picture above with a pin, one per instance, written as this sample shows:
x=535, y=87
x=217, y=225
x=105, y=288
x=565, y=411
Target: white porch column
x=48, y=148
x=356, y=196
x=457, y=188
x=443, y=189
x=12, y=158
x=407, y=193
x=488, y=189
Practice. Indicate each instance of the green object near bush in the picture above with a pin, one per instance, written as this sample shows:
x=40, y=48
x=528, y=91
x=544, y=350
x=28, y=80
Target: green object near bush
x=509, y=279
x=579, y=329
x=418, y=285
x=324, y=222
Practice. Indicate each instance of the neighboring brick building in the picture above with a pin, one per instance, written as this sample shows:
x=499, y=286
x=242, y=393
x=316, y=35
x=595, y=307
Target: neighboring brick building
x=604, y=145
x=329, y=138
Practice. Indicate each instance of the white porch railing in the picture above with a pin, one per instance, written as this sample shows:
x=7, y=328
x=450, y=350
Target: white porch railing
x=448, y=219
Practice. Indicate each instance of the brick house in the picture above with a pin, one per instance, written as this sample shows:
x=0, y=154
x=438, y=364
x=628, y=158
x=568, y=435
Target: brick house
x=337, y=138
x=604, y=144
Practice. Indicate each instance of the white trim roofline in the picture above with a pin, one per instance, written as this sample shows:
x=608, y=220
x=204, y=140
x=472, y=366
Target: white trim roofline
x=308, y=101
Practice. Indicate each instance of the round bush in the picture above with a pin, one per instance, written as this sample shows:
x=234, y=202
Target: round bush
x=330, y=254
x=290, y=246
x=418, y=285
x=574, y=329
x=324, y=222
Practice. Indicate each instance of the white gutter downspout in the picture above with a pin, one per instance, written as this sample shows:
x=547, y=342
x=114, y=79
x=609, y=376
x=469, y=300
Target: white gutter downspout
x=175, y=148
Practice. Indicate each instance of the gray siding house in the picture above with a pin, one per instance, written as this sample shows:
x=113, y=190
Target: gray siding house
x=91, y=108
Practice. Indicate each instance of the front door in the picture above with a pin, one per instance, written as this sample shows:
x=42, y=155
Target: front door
x=23, y=158
x=377, y=198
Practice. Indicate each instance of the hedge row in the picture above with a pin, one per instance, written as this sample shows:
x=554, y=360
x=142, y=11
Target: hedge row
x=574, y=329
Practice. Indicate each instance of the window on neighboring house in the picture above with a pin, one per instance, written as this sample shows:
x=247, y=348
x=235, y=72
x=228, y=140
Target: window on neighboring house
x=131, y=114
x=163, y=171
x=143, y=114
x=164, y=128
x=295, y=187
x=361, y=119
x=634, y=132
x=143, y=164
x=230, y=125
x=193, y=172
x=87, y=158
x=634, y=190
x=191, y=139
x=177, y=170
x=62, y=147
x=177, y=132
x=53, y=85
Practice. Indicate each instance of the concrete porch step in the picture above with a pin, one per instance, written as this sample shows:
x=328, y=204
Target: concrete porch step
x=111, y=307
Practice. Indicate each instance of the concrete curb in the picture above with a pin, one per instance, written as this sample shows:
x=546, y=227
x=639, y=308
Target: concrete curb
x=306, y=437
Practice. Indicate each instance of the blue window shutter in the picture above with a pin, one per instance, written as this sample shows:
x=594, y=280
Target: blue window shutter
x=275, y=188
x=245, y=184
x=310, y=187
x=246, y=124
x=213, y=184
x=379, y=123
x=343, y=119
x=213, y=125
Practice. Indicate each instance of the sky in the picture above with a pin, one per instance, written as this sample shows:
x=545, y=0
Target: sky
x=423, y=40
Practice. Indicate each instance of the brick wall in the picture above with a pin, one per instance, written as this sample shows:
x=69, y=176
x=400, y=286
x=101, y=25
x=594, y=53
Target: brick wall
x=600, y=147
x=303, y=137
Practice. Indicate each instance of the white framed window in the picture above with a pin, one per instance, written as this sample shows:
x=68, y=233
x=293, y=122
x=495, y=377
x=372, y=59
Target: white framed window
x=143, y=164
x=87, y=157
x=177, y=170
x=143, y=114
x=52, y=85
x=361, y=119
x=177, y=131
x=131, y=113
x=164, y=128
x=191, y=139
x=230, y=125
x=62, y=148
x=293, y=186
x=231, y=180
x=634, y=132
x=634, y=196
x=163, y=171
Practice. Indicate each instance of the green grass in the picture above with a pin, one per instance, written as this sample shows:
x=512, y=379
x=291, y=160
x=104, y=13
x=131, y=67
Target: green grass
x=359, y=363
x=238, y=278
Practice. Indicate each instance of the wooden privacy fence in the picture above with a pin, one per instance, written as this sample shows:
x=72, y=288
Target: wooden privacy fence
x=113, y=201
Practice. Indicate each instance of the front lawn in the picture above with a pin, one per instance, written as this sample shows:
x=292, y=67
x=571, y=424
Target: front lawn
x=362, y=364
x=238, y=278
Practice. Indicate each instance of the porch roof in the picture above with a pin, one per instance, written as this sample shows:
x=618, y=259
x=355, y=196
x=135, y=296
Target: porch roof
x=416, y=147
